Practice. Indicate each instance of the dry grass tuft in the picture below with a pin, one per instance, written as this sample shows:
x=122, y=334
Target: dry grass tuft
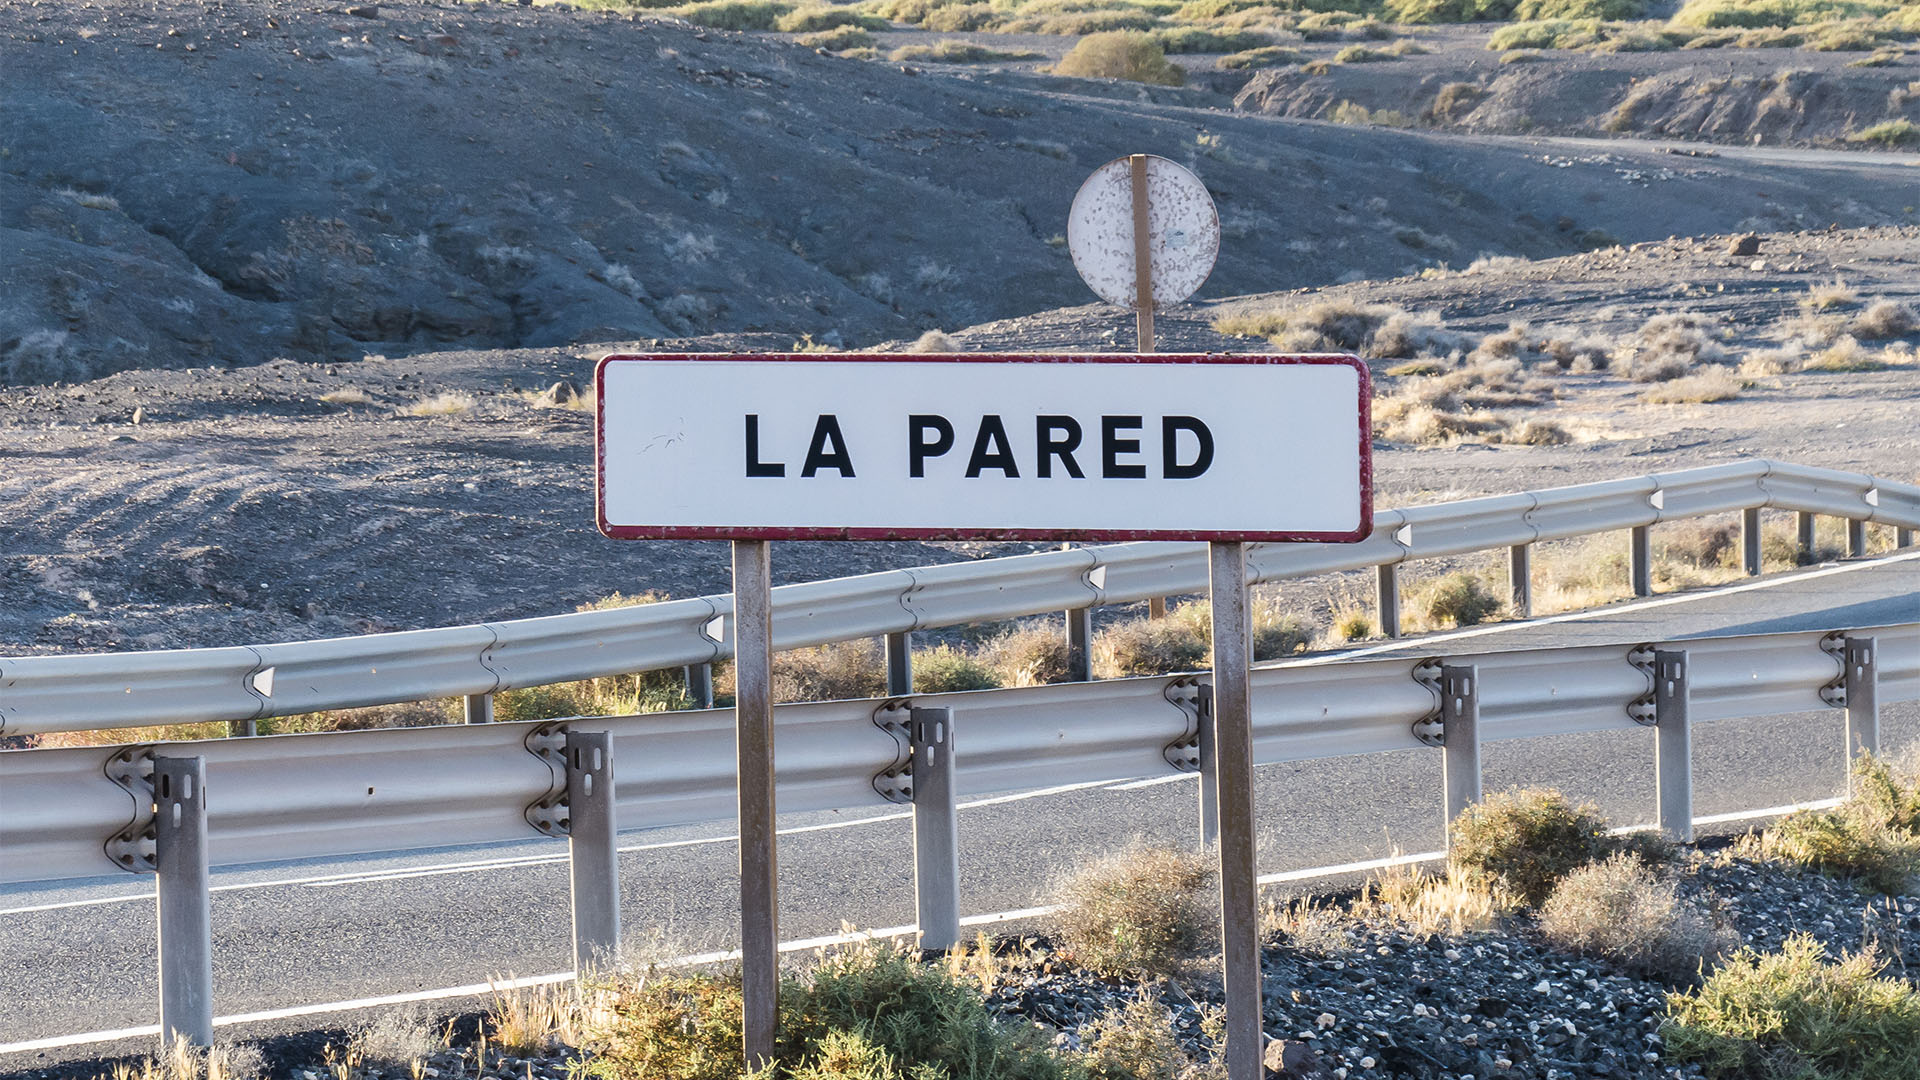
x=1028, y=656
x=1826, y=296
x=1780, y=361
x=1846, y=355
x=352, y=395
x=451, y=403
x=1140, y=911
x=1708, y=386
x=1458, y=599
x=183, y=1061
x=933, y=341
x=1449, y=905
x=1308, y=926
x=1872, y=838
x=1619, y=909
x=396, y=1040
x=528, y=1021
x=839, y=671
x=1340, y=325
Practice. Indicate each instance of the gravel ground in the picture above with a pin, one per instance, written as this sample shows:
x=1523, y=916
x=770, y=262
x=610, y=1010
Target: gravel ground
x=1392, y=1003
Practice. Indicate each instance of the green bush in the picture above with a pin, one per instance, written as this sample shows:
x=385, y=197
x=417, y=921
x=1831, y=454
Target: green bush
x=1872, y=838
x=1029, y=656
x=1714, y=14
x=1546, y=34
x=868, y=1013
x=838, y=39
x=1526, y=841
x=1792, y=1014
x=1888, y=133
x=733, y=14
x=1138, y=912
x=960, y=18
x=1449, y=11
x=840, y=671
x=1194, y=39
x=824, y=17
x=1266, y=56
x=955, y=52
x=1460, y=599
x=1582, y=9
x=1126, y=54
x=944, y=669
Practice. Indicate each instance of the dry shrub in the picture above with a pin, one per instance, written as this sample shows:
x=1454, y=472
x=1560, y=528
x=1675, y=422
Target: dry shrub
x=1135, y=1041
x=944, y=669
x=1780, y=361
x=1700, y=544
x=1792, y=1014
x=1137, y=912
x=1846, y=355
x=1533, y=433
x=1121, y=54
x=1352, y=625
x=1451, y=905
x=1822, y=296
x=1884, y=319
x=395, y=1040
x=1308, y=926
x=1708, y=386
x=933, y=341
x=1458, y=599
x=839, y=671
x=1526, y=841
x=1152, y=647
x=1340, y=325
x=1424, y=425
x=1667, y=347
x=1580, y=354
x=1619, y=909
x=451, y=403
x=352, y=395
x=1029, y=656
x=838, y=39
x=609, y=695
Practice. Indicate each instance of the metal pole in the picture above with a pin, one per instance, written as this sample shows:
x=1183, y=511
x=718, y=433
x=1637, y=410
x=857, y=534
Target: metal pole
x=1640, y=560
x=1750, y=540
x=700, y=685
x=185, y=902
x=1803, y=528
x=899, y=664
x=1080, y=645
x=1862, y=682
x=1157, y=607
x=1903, y=538
x=1142, y=257
x=1387, y=592
x=1520, y=578
x=1233, y=741
x=247, y=728
x=1209, y=772
x=591, y=851
x=1460, y=735
x=1856, y=538
x=479, y=708
x=1673, y=745
x=753, y=726
x=936, y=830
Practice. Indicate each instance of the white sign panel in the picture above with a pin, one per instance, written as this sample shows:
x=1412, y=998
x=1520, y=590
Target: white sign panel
x=874, y=446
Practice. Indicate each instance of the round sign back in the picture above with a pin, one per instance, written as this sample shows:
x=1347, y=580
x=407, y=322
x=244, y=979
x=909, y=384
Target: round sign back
x=1183, y=232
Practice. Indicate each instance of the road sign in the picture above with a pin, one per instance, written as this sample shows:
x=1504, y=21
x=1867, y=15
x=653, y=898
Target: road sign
x=873, y=446
x=1141, y=212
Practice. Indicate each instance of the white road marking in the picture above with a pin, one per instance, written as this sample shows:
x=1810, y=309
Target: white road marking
x=798, y=945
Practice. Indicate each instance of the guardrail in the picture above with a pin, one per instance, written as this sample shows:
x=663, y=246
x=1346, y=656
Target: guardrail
x=178, y=808
x=249, y=682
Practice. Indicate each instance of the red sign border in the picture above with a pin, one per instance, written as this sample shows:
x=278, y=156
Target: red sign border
x=706, y=532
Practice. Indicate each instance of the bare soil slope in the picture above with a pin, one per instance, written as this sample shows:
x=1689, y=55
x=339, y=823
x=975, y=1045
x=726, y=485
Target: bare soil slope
x=212, y=185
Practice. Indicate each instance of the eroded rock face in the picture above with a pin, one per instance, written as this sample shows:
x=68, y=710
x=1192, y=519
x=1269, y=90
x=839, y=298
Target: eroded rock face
x=321, y=186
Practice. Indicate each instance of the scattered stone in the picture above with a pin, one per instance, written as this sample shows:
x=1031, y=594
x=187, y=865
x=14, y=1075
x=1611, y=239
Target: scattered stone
x=1749, y=244
x=1290, y=1059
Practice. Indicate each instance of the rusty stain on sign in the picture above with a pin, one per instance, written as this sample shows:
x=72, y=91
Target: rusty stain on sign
x=1183, y=233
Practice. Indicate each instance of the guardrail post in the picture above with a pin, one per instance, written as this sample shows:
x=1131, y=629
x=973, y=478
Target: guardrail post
x=700, y=685
x=1233, y=740
x=1803, y=533
x=1156, y=607
x=184, y=901
x=1750, y=540
x=1080, y=645
x=1640, y=560
x=479, y=708
x=1460, y=739
x=1209, y=771
x=594, y=859
x=1856, y=538
x=1520, y=578
x=1862, y=682
x=247, y=728
x=1902, y=538
x=899, y=664
x=936, y=830
x=1673, y=745
x=1387, y=594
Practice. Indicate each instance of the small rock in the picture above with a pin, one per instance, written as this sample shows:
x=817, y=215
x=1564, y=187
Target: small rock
x=1289, y=1059
x=1748, y=244
x=365, y=11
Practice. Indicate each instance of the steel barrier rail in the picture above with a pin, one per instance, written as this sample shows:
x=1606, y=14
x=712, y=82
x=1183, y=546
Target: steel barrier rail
x=63, y=693
x=338, y=793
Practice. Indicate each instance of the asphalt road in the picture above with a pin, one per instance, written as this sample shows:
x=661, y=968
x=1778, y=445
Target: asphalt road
x=78, y=957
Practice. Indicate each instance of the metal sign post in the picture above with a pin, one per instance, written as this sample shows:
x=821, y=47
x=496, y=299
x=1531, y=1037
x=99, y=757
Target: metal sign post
x=1232, y=719
x=753, y=740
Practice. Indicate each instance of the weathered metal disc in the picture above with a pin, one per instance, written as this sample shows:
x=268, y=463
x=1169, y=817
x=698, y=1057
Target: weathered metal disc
x=1183, y=229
